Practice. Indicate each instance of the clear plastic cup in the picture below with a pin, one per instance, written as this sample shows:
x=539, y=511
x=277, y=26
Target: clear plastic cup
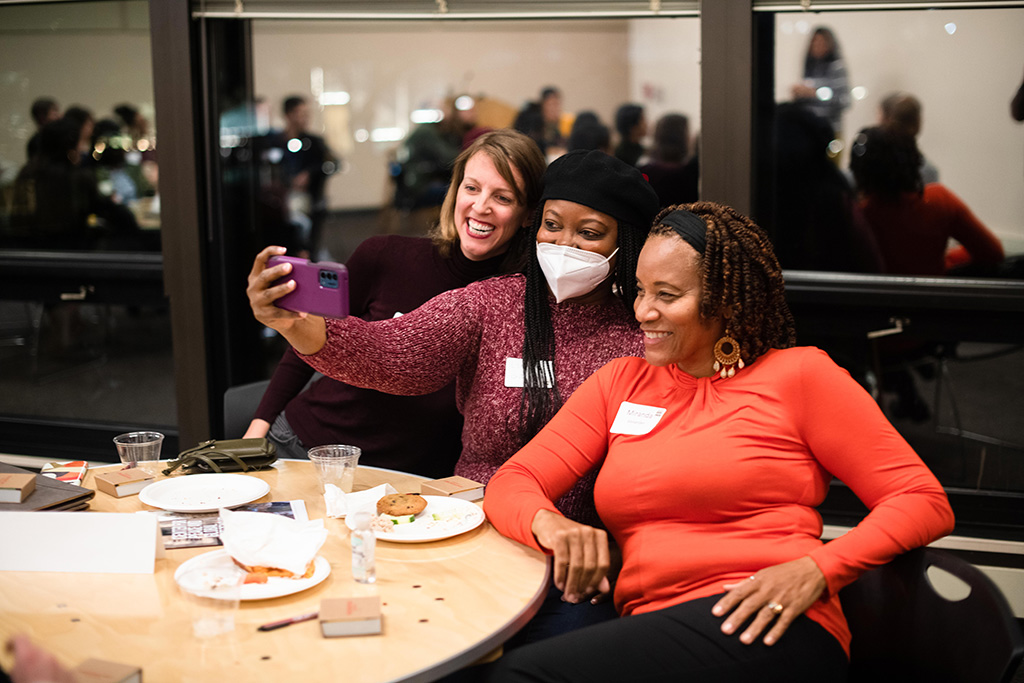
x=336, y=464
x=212, y=595
x=136, y=447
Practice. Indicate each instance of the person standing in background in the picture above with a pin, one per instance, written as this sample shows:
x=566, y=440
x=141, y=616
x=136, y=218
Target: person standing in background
x=44, y=110
x=305, y=162
x=632, y=128
x=825, y=87
x=671, y=169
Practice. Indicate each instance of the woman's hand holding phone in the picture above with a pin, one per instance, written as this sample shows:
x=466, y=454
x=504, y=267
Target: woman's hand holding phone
x=305, y=332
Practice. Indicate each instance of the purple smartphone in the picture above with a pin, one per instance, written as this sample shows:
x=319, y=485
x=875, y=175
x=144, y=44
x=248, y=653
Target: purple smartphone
x=320, y=288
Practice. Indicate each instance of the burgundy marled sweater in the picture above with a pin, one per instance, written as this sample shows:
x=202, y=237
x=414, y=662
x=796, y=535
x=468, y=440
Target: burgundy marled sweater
x=387, y=275
x=466, y=335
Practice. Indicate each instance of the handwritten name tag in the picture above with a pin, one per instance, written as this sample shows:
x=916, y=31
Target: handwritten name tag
x=636, y=419
x=514, y=372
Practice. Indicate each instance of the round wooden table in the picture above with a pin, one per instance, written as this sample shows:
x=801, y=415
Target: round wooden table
x=445, y=604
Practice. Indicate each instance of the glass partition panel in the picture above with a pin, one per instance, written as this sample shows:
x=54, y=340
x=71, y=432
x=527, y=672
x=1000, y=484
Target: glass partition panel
x=945, y=79
x=394, y=101
x=77, y=132
x=85, y=348
x=892, y=150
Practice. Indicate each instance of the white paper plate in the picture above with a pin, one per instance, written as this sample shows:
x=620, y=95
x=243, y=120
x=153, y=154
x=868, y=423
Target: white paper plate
x=203, y=492
x=275, y=587
x=457, y=517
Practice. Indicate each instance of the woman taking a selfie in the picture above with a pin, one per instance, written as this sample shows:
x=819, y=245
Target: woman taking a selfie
x=496, y=186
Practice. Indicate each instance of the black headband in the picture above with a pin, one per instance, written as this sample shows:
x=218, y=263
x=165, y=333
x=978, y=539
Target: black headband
x=690, y=227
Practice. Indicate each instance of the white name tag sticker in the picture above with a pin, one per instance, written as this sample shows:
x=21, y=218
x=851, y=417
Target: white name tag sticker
x=514, y=372
x=636, y=419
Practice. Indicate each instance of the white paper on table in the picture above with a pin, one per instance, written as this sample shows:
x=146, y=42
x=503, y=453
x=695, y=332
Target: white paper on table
x=94, y=542
x=261, y=540
x=339, y=503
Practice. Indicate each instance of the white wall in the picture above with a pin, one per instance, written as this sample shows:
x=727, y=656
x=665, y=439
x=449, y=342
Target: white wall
x=965, y=81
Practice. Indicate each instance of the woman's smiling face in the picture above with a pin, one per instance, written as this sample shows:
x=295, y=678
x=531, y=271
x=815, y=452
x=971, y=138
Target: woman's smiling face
x=487, y=213
x=668, y=281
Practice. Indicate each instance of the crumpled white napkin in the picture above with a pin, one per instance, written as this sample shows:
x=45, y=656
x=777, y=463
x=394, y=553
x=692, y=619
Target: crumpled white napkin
x=259, y=539
x=339, y=503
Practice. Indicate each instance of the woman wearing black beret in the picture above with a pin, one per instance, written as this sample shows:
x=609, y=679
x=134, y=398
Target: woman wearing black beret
x=517, y=345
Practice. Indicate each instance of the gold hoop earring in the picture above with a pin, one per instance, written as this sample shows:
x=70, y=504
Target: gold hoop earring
x=727, y=356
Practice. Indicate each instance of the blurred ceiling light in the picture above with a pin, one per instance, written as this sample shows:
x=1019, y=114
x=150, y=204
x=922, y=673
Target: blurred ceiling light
x=859, y=92
x=426, y=115
x=951, y=28
x=335, y=97
x=824, y=93
x=386, y=134
x=294, y=145
x=362, y=135
x=464, y=103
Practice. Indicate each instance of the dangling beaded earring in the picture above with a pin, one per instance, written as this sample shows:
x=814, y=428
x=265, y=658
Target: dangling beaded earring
x=727, y=356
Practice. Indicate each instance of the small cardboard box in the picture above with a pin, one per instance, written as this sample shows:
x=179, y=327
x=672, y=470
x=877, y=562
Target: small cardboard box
x=16, y=487
x=102, y=671
x=356, y=616
x=456, y=487
x=121, y=483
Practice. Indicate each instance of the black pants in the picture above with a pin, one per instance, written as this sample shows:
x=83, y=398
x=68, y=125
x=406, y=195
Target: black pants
x=679, y=643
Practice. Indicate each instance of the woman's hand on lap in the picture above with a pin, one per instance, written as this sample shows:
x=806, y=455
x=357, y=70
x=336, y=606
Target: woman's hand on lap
x=792, y=585
x=581, y=558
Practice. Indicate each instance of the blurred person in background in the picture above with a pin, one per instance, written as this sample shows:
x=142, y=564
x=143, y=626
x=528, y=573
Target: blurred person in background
x=825, y=88
x=44, y=110
x=901, y=112
x=671, y=168
x=631, y=125
x=589, y=133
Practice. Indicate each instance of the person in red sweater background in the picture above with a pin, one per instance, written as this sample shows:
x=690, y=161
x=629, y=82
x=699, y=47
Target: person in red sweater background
x=712, y=453
x=913, y=222
x=496, y=185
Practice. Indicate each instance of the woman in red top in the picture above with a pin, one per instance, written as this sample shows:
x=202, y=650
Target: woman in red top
x=712, y=454
x=913, y=222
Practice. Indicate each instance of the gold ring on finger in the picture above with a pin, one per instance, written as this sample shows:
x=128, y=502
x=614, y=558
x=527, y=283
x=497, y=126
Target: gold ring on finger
x=775, y=608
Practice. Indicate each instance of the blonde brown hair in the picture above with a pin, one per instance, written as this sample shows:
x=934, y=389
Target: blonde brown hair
x=507, y=149
x=739, y=273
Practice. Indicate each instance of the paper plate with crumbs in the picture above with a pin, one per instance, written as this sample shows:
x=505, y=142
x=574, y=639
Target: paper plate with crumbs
x=275, y=587
x=443, y=517
x=203, y=492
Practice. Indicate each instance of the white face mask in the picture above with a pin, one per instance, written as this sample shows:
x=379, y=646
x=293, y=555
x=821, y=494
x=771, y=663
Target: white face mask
x=572, y=272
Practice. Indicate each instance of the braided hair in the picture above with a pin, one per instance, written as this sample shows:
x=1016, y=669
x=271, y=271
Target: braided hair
x=541, y=397
x=739, y=273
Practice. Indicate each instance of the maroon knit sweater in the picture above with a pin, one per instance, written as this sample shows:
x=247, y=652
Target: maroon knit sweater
x=421, y=434
x=467, y=335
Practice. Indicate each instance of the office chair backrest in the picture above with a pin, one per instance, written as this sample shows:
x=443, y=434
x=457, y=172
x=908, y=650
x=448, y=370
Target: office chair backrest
x=240, y=404
x=904, y=630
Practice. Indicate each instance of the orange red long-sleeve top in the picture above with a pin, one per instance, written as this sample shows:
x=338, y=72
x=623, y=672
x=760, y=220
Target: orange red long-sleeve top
x=912, y=233
x=704, y=481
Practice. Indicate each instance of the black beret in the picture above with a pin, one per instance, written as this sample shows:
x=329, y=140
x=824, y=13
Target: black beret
x=602, y=182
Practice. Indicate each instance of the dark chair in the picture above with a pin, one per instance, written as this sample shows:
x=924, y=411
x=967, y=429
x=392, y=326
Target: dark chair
x=240, y=404
x=905, y=630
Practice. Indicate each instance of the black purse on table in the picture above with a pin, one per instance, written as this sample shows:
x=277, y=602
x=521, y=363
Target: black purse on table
x=228, y=455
